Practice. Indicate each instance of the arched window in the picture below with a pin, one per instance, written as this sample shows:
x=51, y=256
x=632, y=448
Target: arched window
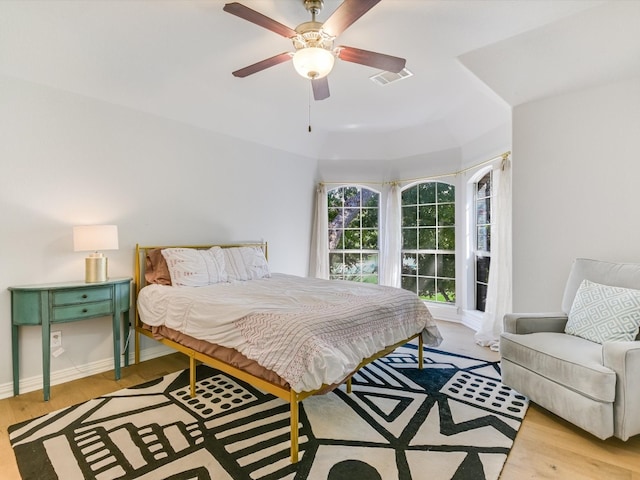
x=353, y=233
x=429, y=241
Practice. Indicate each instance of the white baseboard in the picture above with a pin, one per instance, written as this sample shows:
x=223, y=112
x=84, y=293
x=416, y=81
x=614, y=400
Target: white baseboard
x=472, y=319
x=73, y=373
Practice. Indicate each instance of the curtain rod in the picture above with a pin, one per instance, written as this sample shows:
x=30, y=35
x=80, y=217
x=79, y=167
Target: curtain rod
x=504, y=156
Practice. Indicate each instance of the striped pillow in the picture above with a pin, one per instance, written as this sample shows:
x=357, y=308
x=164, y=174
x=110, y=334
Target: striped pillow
x=245, y=263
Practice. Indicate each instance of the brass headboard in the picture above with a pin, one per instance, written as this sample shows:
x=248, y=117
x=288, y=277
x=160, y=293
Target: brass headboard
x=140, y=265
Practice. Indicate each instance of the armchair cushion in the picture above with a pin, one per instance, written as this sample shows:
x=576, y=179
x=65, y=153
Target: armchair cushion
x=564, y=359
x=602, y=313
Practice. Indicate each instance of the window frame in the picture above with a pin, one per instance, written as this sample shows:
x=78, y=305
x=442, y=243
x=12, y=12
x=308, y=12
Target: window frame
x=481, y=257
x=443, y=270
x=362, y=254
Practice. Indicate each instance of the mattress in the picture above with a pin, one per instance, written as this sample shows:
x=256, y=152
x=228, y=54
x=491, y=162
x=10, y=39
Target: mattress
x=309, y=332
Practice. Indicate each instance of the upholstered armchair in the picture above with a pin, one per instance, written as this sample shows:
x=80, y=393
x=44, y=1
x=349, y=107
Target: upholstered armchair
x=583, y=363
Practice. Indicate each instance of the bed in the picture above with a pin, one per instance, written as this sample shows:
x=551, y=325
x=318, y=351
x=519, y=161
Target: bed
x=289, y=336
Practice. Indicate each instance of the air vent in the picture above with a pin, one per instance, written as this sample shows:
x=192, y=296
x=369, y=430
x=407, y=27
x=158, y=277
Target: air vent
x=385, y=78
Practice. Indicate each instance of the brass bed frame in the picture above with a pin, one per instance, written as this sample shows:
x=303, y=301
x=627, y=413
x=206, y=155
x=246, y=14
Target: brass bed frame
x=279, y=391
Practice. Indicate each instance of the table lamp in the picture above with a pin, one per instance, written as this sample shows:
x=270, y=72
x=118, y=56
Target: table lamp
x=93, y=238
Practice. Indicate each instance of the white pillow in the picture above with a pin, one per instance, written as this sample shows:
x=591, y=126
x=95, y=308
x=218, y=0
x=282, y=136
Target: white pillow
x=601, y=313
x=190, y=267
x=245, y=263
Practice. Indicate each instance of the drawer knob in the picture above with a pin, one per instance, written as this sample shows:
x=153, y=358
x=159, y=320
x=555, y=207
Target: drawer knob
x=84, y=295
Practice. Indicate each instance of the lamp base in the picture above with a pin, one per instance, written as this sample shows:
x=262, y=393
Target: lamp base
x=95, y=269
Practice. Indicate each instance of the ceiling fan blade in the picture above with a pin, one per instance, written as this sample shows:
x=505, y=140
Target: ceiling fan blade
x=371, y=59
x=252, y=16
x=320, y=88
x=346, y=14
x=259, y=66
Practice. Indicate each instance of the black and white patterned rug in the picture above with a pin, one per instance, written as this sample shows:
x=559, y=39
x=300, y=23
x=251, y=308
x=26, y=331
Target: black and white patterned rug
x=451, y=420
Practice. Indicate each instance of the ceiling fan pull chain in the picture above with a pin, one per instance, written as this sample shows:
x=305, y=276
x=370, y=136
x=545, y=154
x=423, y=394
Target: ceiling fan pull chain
x=309, y=98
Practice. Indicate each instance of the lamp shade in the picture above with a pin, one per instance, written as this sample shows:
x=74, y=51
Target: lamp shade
x=313, y=62
x=95, y=237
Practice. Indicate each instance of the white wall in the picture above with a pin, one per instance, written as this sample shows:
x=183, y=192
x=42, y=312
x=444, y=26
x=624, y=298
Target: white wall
x=69, y=160
x=576, y=187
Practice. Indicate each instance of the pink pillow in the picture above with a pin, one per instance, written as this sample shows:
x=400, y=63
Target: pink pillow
x=156, y=270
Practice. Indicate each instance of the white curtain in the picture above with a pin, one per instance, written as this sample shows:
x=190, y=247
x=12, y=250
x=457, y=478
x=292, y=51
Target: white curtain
x=391, y=246
x=499, y=298
x=319, y=258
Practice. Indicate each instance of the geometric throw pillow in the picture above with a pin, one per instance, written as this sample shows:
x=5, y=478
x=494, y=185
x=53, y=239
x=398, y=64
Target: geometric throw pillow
x=602, y=313
x=190, y=267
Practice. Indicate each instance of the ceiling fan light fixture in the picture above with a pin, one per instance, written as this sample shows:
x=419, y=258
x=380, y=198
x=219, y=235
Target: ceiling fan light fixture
x=313, y=62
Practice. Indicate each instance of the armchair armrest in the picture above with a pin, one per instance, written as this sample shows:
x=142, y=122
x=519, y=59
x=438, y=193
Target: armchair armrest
x=624, y=359
x=521, y=323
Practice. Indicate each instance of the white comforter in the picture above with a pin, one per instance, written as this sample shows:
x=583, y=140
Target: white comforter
x=309, y=331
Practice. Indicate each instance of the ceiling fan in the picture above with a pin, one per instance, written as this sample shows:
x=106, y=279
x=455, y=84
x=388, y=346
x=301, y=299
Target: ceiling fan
x=314, y=54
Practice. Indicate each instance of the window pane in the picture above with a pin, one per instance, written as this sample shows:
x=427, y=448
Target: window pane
x=409, y=216
x=427, y=288
x=336, y=239
x=484, y=186
x=334, y=198
x=482, y=269
x=447, y=214
x=427, y=215
x=447, y=266
x=484, y=238
x=351, y=218
x=370, y=264
x=369, y=218
x=370, y=239
x=352, y=240
x=410, y=196
x=447, y=238
x=409, y=264
x=427, y=193
x=371, y=199
x=410, y=283
x=446, y=193
x=427, y=265
x=481, y=296
x=409, y=238
x=336, y=265
x=353, y=263
x=333, y=214
x=447, y=290
x=483, y=211
x=351, y=195
x=427, y=237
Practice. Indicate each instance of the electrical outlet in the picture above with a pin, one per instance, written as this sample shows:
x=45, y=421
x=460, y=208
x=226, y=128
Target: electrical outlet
x=56, y=339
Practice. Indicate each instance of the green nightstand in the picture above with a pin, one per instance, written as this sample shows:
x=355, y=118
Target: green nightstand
x=49, y=304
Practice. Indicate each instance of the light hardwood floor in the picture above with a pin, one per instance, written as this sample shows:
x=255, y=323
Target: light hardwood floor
x=546, y=446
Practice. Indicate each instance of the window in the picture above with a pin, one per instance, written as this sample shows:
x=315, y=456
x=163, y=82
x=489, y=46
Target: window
x=482, y=248
x=353, y=234
x=429, y=241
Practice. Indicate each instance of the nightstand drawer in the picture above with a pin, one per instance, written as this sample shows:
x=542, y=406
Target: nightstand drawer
x=85, y=295
x=75, y=312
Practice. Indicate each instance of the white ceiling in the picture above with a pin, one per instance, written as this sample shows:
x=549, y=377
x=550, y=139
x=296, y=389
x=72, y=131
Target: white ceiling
x=472, y=61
